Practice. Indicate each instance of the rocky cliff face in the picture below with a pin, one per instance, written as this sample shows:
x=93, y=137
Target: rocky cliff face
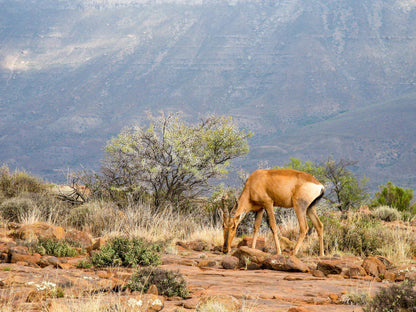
x=74, y=72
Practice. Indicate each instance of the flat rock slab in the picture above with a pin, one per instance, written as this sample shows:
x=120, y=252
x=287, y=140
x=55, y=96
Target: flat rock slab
x=258, y=290
x=269, y=290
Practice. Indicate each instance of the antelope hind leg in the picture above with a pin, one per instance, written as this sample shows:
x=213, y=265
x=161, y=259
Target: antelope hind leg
x=300, y=207
x=318, y=226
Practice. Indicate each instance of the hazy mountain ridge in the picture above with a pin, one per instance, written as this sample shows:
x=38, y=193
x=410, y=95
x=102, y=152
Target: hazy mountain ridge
x=74, y=73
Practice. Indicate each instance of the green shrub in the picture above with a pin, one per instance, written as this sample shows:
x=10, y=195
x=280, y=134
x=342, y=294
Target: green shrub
x=358, y=235
x=386, y=213
x=14, y=209
x=352, y=298
x=122, y=251
x=78, y=216
x=393, y=196
x=18, y=182
x=396, y=298
x=97, y=216
x=168, y=283
x=82, y=264
x=55, y=248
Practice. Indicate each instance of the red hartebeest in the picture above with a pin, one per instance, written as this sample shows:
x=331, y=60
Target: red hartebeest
x=266, y=188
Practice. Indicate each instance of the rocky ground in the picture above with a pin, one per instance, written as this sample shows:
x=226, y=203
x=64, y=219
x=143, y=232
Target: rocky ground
x=250, y=279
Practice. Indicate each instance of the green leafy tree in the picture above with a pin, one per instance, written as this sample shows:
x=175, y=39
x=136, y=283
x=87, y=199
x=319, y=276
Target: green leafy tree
x=345, y=191
x=171, y=160
x=393, y=196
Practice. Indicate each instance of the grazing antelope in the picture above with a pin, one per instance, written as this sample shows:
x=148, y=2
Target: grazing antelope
x=285, y=188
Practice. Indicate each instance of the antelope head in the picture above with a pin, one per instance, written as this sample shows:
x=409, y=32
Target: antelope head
x=229, y=224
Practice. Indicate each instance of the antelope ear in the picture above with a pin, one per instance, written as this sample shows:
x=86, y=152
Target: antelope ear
x=224, y=209
x=241, y=217
x=220, y=212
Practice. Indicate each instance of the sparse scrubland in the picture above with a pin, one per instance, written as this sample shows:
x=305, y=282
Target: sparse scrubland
x=143, y=216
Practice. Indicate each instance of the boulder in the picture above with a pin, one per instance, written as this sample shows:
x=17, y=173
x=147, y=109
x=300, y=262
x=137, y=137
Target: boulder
x=21, y=254
x=81, y=238
x=230, y=263
x=45, y=261
x=318, y=273
x=248, y=255
x=356, y=270
x=197, y=245
x=387, y=262
x=285, y=263
x=21, y=258
x=329, y=267
x=373, y=266
x=40, y=230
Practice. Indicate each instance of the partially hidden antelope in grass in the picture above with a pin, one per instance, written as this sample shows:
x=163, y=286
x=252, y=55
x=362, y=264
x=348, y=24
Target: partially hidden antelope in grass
x=268, y=188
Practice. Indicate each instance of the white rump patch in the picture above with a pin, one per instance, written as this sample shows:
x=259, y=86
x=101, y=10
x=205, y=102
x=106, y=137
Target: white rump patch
x=313, y=190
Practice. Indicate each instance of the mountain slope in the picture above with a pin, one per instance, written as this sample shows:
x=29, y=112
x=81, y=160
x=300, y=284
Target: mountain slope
x=381, y=137
x=73, y=73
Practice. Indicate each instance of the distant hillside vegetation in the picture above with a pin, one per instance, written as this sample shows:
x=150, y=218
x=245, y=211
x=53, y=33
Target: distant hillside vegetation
x=310, y=78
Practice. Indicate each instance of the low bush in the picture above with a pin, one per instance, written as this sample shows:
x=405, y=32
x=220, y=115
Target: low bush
x=358, y=234
x=168, y=283
x=18, y=182
x=352, y=298
x=126, y=252
x=16, y=208
x=387, y=213
x=397, y=297
x=55, y=248
x=83, y=264
x=363, y=235
x=96, y=216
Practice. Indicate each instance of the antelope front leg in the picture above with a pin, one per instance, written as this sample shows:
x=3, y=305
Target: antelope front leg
x=273, y=226
x=257, y=223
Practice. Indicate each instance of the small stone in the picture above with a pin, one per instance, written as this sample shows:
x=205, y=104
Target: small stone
x=390, y=276
x=191, y=304
x=356, y=270
x=206, y=264
x=253, y=266
x=65, y=265
x=334, y=298
x=318, y=273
